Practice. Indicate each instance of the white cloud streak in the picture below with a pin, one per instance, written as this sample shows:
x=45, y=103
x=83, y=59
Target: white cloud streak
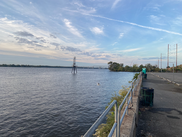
x=114, y=43
x=133, y=24
x=72, y=29
x=130, y=50
x=115, y=3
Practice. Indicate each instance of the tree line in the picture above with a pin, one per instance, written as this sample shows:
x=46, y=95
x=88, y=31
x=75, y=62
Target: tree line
x=114, y=66
x=42, y=66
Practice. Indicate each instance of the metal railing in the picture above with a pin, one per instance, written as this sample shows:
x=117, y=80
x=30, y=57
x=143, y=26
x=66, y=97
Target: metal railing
x=127, y=99
x=92, y=129
x=118, y=121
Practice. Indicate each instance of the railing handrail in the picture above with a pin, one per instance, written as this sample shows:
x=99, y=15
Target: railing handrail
x=92, y=129
x=118, y=121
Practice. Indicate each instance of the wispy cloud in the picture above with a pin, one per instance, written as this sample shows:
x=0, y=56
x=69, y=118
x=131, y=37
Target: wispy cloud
x=114, y=43
x=115, y=3
x=130, y=50
x=91, y=10
x=121, y=35
x=51, y=35
x=153, y=58
x=178, y=21
x=133, y=24
x=79, y=4
x=156, y=7
x=156, y=20
x=24, y=33
x=97, y=30
x=71, y=28
x=84, y=9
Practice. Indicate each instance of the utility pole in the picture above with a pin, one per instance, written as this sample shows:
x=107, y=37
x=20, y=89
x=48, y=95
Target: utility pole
x=176, y=55
x=173, y=72
x=168, y=56
x=158, y=62
x=161, y=62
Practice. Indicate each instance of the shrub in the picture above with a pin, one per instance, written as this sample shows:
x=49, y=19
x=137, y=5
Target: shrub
x=104, y=129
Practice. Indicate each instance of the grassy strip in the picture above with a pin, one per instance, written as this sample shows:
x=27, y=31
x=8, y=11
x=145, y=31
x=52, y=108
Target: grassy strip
x=104, y=129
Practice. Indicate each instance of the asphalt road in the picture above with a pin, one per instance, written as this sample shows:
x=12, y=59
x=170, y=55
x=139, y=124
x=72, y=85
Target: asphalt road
x=164, y=119
x=177, y=76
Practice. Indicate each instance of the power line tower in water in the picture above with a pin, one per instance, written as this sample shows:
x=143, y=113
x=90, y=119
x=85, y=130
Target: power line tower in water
x=74, y=69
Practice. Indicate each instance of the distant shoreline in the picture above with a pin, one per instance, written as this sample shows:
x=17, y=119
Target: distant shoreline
x=46, y=66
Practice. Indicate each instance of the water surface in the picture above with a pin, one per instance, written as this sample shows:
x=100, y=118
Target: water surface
x=54, y=102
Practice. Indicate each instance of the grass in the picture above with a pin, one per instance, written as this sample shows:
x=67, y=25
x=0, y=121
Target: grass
x=104, y=129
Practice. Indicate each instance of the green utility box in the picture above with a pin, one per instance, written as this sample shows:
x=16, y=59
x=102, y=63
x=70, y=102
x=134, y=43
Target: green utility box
x=144, y=70
x=147, y=96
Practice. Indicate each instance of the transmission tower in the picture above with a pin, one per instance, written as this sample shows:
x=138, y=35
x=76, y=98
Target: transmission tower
x=74, y=69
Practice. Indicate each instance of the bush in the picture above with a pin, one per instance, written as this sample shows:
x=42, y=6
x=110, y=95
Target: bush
x=104, y=129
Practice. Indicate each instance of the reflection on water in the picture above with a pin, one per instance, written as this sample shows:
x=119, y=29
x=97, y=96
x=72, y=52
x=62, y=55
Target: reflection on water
x=54, y=102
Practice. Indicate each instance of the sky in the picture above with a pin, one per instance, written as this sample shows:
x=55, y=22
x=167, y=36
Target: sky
x=53, y=32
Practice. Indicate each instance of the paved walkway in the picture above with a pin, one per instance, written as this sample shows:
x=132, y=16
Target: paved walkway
x=164, y=119
x=176, y=77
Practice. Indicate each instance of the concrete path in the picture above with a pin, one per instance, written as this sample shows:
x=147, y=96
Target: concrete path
x=176, y=77
x=164, y=119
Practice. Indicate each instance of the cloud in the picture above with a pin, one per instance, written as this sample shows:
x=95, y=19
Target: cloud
x=51, y=35
x=88, y=11
x=71, y=49
x=121, y=35
x=156, y=20
x=41, y=39
x=97, y=30
x=130, y=50
x=96, y=56
x=25, y=41
x=29, y=42
x=178, y=21
x=24, y=34
x=79, y=4
x=72, y=29
x=55, y=44
x=84, y=9
x=85, y=53
x=152, y=58
x=115, y=3
x=133, y=24
x=156, y=7
x=114, y=43
x=27, y=34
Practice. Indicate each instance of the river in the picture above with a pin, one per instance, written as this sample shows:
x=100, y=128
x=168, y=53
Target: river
x=52, y=101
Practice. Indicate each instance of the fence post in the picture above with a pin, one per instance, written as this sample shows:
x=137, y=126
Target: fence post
x=132, y=93
x=118, y=125
x=116, y=118
x=127, y=106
